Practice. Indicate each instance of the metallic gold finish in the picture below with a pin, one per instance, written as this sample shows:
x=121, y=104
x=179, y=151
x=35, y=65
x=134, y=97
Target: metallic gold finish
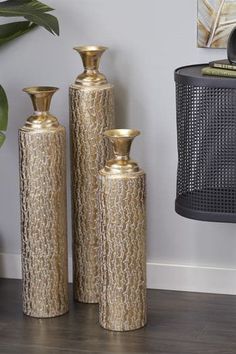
x=91, y=113
x=91, y=56
x=43, y=210
x=121, y=140
x=122, y=236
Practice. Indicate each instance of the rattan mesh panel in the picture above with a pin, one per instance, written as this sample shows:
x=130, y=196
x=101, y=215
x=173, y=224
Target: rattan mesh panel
x=206, y=130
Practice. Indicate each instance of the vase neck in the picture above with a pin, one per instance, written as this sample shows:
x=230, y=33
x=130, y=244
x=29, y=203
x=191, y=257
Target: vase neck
x=121, y=140
x=91, y=56
x=41, y=98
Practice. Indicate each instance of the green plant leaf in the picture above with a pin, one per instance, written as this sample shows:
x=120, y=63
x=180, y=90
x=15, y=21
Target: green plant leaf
x=47, y=21
x=33, y=11
x=2, y=138
x=20, y=8
x=3, y=109
x=13, y=30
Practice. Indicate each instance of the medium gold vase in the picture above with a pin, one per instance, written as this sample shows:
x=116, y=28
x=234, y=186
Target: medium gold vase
x=91, y=113
x=42, y=148
x=122, y=235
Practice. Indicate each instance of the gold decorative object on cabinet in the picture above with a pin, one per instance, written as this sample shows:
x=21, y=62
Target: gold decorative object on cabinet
x=122, y=235
x=42, y=145
x=91, y=113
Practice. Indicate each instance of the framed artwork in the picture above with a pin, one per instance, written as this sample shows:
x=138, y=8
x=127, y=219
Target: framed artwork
x=216, y=19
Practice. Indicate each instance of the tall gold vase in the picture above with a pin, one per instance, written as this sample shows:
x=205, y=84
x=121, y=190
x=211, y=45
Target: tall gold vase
x=91, y=113
x=42, y=148
x=122, y=234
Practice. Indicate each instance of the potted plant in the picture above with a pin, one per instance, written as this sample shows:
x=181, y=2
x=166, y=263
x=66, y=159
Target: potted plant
x=33, y=13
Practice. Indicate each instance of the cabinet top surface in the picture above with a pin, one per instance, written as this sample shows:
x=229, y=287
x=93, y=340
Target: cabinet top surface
x=191, y=75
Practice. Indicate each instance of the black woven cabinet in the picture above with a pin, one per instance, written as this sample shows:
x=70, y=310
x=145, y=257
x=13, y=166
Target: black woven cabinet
x=206, y=134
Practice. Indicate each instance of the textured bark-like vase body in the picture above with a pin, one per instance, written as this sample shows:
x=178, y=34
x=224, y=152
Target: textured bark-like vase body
x=43, y=210
x=122, y=234
x=91, y=113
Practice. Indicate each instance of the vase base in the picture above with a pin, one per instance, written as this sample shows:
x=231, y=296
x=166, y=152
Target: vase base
x=123, y=328
x=86, y=301
x=44, y=317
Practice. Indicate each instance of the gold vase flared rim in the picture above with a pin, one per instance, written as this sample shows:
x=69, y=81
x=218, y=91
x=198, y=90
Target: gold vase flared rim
x=90, y=48
x=40, y=89
x=122, y=133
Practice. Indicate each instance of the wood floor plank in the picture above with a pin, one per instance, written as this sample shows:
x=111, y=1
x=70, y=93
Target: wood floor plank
x=178, y=323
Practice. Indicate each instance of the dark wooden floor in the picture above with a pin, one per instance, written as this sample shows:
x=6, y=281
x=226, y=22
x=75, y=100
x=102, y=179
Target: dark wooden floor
x=179, y=323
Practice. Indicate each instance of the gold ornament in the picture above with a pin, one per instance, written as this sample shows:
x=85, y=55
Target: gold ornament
x=91, y=113
x=42, y=144
x=122, y=233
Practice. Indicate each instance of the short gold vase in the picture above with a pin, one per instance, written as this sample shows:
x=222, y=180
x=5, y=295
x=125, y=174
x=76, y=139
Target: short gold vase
x=91, y=113
x=122, y=235
x=42, y=145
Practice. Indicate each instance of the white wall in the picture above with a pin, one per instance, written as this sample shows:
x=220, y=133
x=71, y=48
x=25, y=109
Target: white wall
x=148, y=39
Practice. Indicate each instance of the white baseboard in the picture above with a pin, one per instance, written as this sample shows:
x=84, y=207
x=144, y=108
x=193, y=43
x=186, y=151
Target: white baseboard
x=10, y=266
x=159, y=276
x=191, y=278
